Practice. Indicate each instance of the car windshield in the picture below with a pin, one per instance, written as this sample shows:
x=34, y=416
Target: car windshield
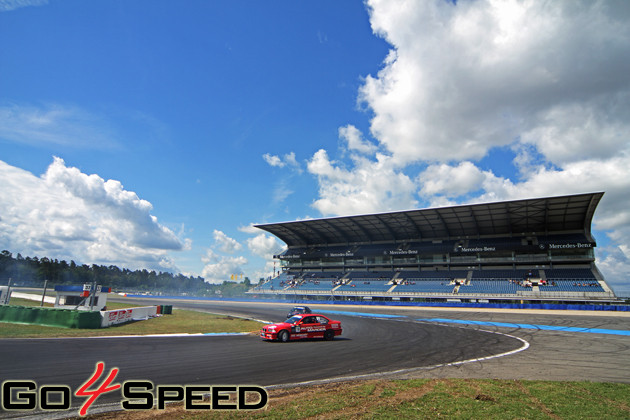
x=293, y=319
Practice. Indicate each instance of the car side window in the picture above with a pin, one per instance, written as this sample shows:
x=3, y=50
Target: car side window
x=322, y=320
x=309, y=320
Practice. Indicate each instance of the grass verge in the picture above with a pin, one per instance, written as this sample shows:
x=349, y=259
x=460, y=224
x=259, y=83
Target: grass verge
x=427, y=398
x=180, y=322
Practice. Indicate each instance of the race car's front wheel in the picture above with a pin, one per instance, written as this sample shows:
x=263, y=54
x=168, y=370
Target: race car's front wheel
x=329, y=335
x=283, y=336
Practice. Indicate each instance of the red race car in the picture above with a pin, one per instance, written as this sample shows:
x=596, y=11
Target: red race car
x=302, y=326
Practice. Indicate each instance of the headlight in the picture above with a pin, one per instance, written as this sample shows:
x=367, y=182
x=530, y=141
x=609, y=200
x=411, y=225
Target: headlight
x=271, y=328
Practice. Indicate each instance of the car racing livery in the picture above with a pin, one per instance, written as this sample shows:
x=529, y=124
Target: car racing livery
x=302, y=326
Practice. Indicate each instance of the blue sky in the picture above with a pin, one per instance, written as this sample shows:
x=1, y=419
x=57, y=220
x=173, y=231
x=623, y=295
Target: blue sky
x=153, y=134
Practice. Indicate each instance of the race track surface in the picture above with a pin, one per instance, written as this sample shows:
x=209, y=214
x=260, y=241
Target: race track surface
x=391, y=342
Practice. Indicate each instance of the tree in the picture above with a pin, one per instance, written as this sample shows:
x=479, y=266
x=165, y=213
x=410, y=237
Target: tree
x=33, y=271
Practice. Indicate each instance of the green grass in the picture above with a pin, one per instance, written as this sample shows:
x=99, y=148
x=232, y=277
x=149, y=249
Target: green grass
x=181, y=321
x=28, y=302
x=434, y=398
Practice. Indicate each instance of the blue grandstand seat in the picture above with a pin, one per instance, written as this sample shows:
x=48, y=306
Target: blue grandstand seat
x=505, y=274
x=434, y=275
x=420, y=285
x=365, y=286
x=569, y=273
x=584, y=285
x=370, y=275
x=324, y=284
x=503, y=287
x=276, y=283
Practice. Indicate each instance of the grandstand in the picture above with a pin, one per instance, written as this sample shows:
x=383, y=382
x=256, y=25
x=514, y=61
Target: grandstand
x=535, y=250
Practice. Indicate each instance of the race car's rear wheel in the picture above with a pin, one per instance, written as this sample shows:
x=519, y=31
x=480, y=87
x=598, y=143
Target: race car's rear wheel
x=329, y=335
x=283, y=336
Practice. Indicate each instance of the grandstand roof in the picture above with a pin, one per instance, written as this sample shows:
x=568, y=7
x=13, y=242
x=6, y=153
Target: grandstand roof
x=538, y=215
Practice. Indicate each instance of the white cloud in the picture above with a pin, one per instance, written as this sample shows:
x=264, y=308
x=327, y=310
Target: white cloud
x=355, y=141
x=463, y=78
x=56, y=125
x=287, y=160
x=219, y=268
x=8, y=5
x=273, y=160
x=67, y=214
x=613, y=262
x=368, y=186
x=249, y=229
x=264, y=246
x=451, y=181
x=570, y=132
x=281, y=191
x=282, y=188
x=225, y=243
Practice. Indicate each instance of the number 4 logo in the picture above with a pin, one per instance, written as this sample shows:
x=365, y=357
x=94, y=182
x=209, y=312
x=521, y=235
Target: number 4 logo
x=84, y=391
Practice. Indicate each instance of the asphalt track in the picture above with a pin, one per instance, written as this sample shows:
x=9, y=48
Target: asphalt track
x=388, y=342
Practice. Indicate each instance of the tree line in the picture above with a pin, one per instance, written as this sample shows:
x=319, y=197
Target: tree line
x=34, y=271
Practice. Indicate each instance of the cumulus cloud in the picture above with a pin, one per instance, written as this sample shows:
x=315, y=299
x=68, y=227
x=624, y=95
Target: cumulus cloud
x=218, y=268
x=355, y=141
x=264, y=246
x=463, y=78
x=451, y=181
x=67, y=214
x=367, y=186
x=568, y=133
x=225, y=243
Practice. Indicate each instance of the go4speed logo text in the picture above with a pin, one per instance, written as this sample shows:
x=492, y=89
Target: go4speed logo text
x=25, y=395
